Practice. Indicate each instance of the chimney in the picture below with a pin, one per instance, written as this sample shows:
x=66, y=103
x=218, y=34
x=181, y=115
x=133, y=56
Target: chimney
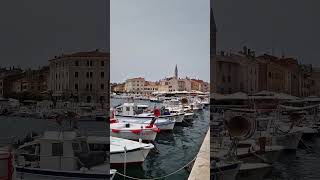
x=245, y=50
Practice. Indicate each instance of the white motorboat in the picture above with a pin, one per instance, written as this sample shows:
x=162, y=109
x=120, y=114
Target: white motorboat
x=270, y=155
x=177, y=113
x=253, y=171
x=61, y=155
x=224, y=170
x=162, y=124
x=247, y=151
x=134, y=131
x=188, y=116
x=289, y=141
x=132, y=110
x=122, y=151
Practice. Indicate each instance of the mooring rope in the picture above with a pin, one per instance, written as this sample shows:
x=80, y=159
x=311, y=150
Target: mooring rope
x=162, y=177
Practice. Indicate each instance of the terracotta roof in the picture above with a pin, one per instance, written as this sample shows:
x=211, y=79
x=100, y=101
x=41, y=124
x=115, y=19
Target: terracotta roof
x=95, y=53
x=87, y=54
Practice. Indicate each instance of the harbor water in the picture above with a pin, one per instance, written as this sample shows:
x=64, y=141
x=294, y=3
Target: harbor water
x=302, y=164
x=175, y=149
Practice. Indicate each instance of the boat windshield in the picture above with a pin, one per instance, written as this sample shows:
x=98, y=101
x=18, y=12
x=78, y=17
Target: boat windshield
x=84, y=146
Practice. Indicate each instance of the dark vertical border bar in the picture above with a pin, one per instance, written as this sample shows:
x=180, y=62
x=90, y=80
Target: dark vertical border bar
x=107, y=14
x=213, y=49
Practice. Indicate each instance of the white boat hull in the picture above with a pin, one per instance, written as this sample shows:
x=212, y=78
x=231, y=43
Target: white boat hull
x=289, y=141
x=131, y=157
x=162, y=124
x=179, y=118
x=255, y=171
x=145, y=135
x=188, y=116
x=228, y=172
x=36, y=173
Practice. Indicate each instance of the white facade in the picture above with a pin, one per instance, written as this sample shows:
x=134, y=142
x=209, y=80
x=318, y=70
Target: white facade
x=135, y=85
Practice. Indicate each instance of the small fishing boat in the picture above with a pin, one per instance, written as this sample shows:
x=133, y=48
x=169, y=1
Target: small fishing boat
x=162, y=124
x=139, y=111
x=134, y=131
x=61, y=155
x=253, y=171
x=122, y=151
x=221, y=170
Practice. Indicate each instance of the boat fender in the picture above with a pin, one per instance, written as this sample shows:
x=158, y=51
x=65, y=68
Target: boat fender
x=136, y=131
x=157, y=130
x=115, y=130
x=113, y=121
x=10, y=167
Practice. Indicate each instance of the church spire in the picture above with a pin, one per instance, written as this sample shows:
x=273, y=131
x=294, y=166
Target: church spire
x=176, y=72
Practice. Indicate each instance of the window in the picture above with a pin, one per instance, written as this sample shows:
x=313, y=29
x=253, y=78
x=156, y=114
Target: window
x=102, y=86
x=127, y=108
x=76, y=74
x=76, y=147
x=76, y=63
x=229, y=79
x=223, y=78
x=102, y=63
x=270, y=74
x=87, y=86
x=87, y=63
x=57, y=149
x=87, y=74
x=91, y=63
x=102, y=74
x=91, y=73
x=90, y=87
x=76, y=86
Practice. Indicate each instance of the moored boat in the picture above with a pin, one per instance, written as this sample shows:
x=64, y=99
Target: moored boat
x=61, y=155
x=133, y=131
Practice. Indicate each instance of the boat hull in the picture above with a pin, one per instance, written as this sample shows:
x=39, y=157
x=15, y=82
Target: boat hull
x=289, y=141
x=228, y=172
x=35, y=173
x=253, y=171
x=162, y=125
x=136, y=156
x=145, y=134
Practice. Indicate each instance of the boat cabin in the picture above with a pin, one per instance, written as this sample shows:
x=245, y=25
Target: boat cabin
x=58, y=151
x=130, y=109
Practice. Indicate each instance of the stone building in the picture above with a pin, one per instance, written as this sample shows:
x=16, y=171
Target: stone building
x=80, y=76
x=236, y=73
x=118, y=88
x=135, y=85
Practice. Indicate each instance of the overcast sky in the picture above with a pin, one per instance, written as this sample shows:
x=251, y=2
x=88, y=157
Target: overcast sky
x=34, y=31
x=289, y=27
x=149, y=37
